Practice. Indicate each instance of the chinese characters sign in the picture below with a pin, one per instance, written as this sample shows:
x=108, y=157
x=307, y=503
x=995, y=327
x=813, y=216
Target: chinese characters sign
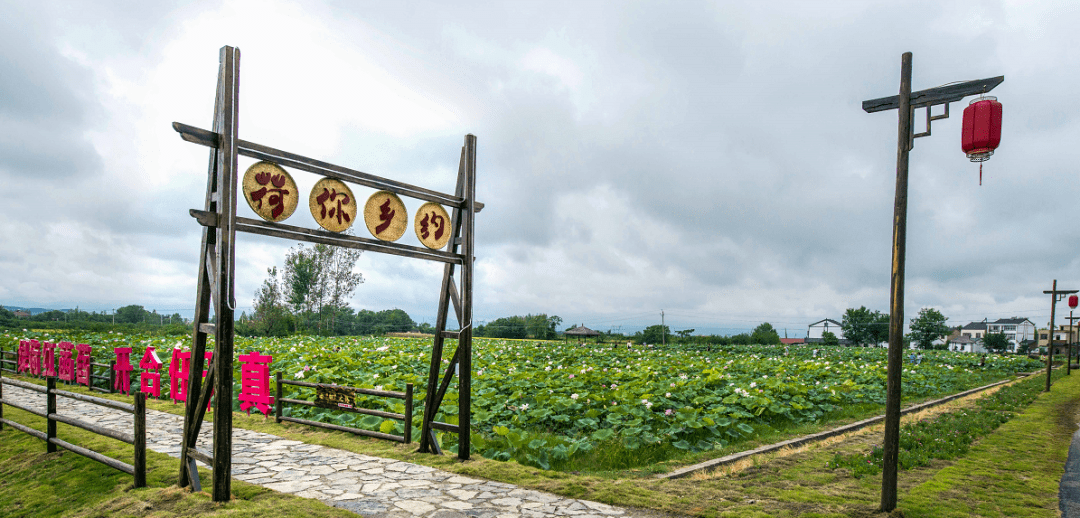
x=385, y=216
x=255, y=382
x=270, y=191
x=432, y=225
x=332, y=205
x=334, y=397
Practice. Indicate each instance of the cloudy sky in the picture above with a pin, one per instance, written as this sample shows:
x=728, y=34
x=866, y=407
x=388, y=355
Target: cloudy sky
x=707, y=159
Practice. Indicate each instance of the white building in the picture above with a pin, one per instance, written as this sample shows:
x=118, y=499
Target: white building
x=817, y=330
x=1016, y=329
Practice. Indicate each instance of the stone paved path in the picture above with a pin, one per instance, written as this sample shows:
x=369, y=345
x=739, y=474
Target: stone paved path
x=366, y=485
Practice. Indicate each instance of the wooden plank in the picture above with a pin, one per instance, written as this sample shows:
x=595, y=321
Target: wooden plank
x=446, y=427
x=203, y=295
x=90, y=427
x=207, y=328
x=193, y=474
x=277, y=399
x=281, y=230
x=90, y=454
x=357, y=431
x=22, y=384
x=287, y=159
x=20, y=406
x=201, y=456
x=453, y=335
x=355, y=410
x=117, y=405
x=370, y=392
x=25, y=429
x=935, y=96
x=432, y=398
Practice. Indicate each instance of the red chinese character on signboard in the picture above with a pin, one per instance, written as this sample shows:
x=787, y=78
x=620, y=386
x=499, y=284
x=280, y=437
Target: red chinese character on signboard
x=434, y=220
x=331, y=195
x=67, y=363
x=23, y=363
x=386, y=216
x=35, y=358
x=277, y=195
x=255, y=382
x=50, y=360
x=122, y=368
x=82, y=364
x=179, y=369
x=150, y=379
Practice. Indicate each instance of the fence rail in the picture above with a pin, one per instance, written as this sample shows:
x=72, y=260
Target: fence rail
x=136, y=439
x=406, y=437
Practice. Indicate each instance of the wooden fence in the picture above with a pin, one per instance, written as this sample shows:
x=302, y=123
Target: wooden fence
x=136, y=439
x=406, y=437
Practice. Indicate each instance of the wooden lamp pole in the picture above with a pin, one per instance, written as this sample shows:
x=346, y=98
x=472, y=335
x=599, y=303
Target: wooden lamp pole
x=1055, y=295
x=906, y=103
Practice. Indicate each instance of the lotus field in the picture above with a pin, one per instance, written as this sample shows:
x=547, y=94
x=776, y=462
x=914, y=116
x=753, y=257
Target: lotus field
x=547, y=402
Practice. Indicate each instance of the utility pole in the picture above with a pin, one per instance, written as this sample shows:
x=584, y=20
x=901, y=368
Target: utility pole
x=905, y=103
x=663, y=330
x=1072, y=327
x=1055, y=295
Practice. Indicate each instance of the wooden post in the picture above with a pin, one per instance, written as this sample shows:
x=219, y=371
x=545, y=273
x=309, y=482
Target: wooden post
x=896, y=298
x=139, y=462
x=1, y=392
x=112, y=377
x=277, y=398
x=225, y=299
x=216, y=266
x=408, y=412
x=1050, y=336
x=50, y=409
x=1072, y=328
x=465, y=338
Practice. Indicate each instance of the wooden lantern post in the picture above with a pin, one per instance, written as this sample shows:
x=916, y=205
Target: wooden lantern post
x=1055, y=296
x=906, y=103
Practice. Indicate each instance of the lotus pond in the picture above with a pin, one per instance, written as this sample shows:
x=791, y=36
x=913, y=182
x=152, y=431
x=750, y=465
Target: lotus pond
x=545, y=403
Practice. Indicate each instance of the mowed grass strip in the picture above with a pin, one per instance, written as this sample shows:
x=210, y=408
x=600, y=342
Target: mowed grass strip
x=64, y=484
x=1013, y=472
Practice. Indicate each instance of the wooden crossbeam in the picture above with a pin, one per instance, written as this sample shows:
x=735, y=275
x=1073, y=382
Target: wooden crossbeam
x=287, y=159
x=935, y=96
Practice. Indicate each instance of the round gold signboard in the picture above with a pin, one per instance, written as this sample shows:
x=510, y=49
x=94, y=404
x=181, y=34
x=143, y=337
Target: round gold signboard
x=270, y=191
x=332, y=205
x=385, y=216
x=432, y=225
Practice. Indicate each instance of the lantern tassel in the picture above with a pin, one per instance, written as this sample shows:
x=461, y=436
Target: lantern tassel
x=980, y=174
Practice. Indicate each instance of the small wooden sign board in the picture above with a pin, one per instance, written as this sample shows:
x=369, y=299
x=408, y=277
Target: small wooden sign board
x=334, y=397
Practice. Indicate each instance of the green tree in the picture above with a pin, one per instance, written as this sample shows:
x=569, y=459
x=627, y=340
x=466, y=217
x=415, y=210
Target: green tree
x=318, y=282
x=996, y=342
x=927, y=327
x=829, y=338
x=684, y=335
x=655, y=334
x=507, y=327
x=863, y=327
x=130, y=314
x=765, y=334
x=271, y=317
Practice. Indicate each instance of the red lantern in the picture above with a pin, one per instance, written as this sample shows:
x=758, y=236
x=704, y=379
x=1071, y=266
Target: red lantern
x=1073, y=301
x=982, y=130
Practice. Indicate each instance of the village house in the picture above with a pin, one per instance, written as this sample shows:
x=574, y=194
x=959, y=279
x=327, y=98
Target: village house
x=817, y=330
